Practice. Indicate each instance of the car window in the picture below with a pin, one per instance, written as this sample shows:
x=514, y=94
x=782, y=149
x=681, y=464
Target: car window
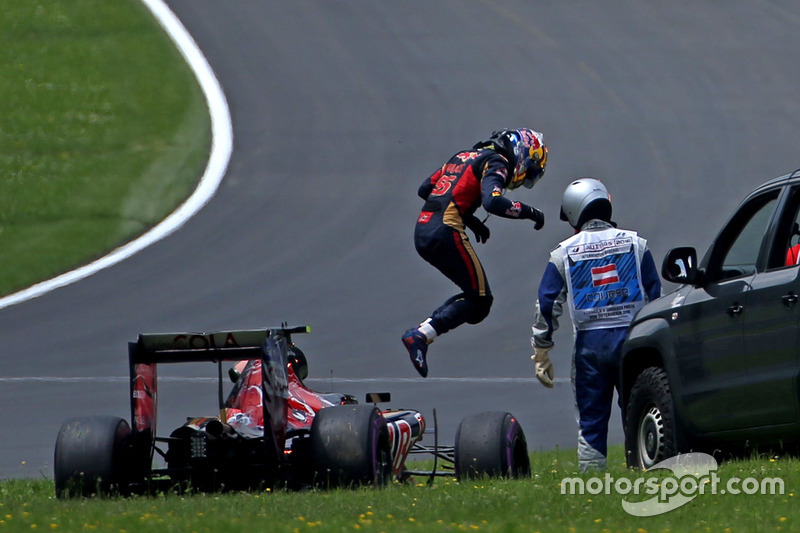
x=740, y=242
x=785, y=250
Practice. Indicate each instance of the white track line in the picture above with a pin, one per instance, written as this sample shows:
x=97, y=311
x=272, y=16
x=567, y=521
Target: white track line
x=221, y=148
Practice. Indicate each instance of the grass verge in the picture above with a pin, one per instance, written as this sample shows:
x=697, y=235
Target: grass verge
x=535, y=504
x=104, y=132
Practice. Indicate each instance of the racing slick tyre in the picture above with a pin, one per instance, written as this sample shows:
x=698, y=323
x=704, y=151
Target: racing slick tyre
x=91, y=457
x=350, y=447
x=491, y=444
x=651, y=431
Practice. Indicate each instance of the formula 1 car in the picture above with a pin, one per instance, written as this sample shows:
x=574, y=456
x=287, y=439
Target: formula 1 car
x=271, y=430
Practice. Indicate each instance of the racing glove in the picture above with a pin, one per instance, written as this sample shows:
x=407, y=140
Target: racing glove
x=538, y=218
x=480, y=229
x=544, y=368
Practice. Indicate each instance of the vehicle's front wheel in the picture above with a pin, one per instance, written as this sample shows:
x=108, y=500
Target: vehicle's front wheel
x=651, y=430
x=351, y=446
x=491, y=444
x=92, y=457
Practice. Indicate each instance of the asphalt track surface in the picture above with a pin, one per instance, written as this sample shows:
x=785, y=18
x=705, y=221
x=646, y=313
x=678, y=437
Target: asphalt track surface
x=340, y=110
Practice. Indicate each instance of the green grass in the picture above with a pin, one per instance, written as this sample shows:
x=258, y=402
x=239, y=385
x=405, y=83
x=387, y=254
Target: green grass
x=104, y=131
x=534, y=504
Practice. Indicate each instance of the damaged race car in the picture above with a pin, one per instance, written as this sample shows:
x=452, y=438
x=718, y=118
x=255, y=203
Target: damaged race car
x=271, y=430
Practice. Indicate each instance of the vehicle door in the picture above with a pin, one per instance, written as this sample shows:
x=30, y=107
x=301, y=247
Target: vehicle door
x=709, y=326
x=771, y=316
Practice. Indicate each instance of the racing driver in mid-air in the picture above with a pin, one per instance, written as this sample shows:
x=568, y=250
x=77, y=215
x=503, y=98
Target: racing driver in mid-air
x=470, y=179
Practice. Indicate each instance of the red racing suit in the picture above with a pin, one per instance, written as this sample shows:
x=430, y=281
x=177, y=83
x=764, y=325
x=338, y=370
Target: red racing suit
x=452, y=194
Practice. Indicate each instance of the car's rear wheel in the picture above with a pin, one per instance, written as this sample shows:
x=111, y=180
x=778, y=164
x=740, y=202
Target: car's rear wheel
x=92, y=457
x=651, y=432
x=491, y=444
x=351, y=447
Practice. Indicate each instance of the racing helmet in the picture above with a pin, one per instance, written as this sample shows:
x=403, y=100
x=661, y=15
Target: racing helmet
x=526, y=153
x=585, y=199
x=297, y=360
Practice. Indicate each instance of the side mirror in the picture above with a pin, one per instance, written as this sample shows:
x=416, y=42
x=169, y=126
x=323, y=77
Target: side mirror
x=680, y=266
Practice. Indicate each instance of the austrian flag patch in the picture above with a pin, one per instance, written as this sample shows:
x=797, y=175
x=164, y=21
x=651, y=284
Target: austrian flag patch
x=605, y=275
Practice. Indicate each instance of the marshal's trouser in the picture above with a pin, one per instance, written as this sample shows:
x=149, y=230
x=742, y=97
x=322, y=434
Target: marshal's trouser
x=595, y=376
x=450, y=251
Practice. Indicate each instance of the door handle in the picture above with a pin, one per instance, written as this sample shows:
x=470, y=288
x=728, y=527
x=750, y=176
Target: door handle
x=789, y=299
x=735, y=309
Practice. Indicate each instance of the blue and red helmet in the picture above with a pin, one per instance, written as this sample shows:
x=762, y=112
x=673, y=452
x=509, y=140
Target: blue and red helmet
x=527, y=155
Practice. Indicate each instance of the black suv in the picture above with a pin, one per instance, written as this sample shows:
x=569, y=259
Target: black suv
x=714, y=364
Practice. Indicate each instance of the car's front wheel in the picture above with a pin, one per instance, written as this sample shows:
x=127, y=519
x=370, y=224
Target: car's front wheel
x=651, y=430
x=491, y=444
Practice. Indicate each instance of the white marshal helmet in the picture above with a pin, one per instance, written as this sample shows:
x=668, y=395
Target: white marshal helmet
x=585, y=199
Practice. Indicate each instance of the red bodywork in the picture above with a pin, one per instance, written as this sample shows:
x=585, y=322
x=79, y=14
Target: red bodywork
x=244, y=412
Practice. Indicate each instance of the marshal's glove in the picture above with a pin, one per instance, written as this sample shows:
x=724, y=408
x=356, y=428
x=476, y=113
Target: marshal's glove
x=480, y=229
x=544, y=368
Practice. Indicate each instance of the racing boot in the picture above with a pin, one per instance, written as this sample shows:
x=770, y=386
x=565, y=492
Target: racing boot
x=417, y=345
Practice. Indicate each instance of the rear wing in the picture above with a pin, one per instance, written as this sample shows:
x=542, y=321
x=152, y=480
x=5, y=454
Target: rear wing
x=212, y=347
x=149, y=350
